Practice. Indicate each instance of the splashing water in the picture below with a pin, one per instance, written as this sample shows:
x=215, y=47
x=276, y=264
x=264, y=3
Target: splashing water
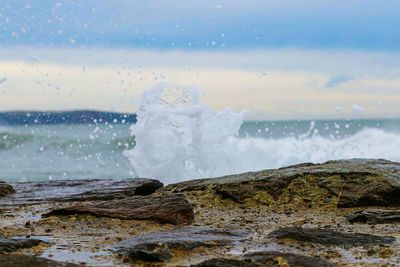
x=178, y=138
x=181, y=138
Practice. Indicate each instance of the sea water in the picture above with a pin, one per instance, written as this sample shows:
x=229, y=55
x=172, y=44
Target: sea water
x=178, y=138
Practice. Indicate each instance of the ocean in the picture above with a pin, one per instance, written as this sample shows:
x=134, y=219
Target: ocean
x=75, y=151
x=174, y=137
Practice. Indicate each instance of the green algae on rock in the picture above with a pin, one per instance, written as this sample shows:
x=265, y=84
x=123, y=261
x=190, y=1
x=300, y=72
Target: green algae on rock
x=342, y=183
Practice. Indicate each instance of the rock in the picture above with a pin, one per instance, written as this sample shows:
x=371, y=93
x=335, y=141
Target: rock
x=5, y=189
x=79, y=190
x=274, y=258
x=150, y=253
x=345, y=183
x=375, y=216
x=221, y=262
x=330, y=237
x=13, y=260
x=10, y=245
x=187, y=238
x=166, y=208
x=267, y=259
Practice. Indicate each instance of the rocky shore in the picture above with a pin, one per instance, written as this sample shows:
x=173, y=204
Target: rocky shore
x=340, y=213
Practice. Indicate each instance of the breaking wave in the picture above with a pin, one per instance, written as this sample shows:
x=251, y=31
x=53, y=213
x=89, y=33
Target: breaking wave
x=178, y=138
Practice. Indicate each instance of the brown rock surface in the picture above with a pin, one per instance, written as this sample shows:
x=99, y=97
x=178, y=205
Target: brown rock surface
x=166, y=208
x=305, y=196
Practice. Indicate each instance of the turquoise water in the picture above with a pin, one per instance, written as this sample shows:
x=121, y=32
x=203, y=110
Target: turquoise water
x=31, y=153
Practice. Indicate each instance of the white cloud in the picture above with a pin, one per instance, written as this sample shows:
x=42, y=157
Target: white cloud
x=338, y=79
x=268, y=83
x=357, y=109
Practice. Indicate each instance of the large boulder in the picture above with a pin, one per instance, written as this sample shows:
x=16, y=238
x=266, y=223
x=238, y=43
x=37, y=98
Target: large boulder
x=79, y=190
x=342, y=183
x=165, y=208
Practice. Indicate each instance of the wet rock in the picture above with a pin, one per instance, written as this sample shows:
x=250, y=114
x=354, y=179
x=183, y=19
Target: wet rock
x=79, y=190
x=273, y=258
x=166, y=208
x=12, y=260
x=150, y=253
x=267, y=259
x=330, y=237
x=187, y=238
x=346, y=183
x=375, y=216
x=5, y=189
x=10, y=245
x=221, y=262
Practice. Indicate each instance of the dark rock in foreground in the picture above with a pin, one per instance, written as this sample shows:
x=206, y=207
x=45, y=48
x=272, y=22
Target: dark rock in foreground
x=5, y=189
x=166, y=208
x=272, y=258
x=346, y=183
x=221, y=262
x=79, y=190
x=10, y=245
x=267, y=259
x=156, y=246
x=375, y=216
x=150, y=253
x=12, y=260
x=330, y=237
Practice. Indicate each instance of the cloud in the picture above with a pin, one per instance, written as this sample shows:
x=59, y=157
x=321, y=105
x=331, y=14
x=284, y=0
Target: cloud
x=357, y=109
x=294, y=87
x=338, y=79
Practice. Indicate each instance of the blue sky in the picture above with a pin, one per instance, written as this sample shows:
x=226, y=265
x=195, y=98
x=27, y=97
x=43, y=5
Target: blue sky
x=351, y=24
x=280, y=59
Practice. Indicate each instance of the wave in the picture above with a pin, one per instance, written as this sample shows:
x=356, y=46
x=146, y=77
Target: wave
x=9, y=139
x=177, y=138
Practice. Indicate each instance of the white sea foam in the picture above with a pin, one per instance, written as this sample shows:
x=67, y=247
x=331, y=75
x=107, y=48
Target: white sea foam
x=178, y=138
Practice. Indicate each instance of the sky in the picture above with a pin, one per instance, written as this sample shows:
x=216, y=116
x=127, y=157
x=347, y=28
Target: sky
x=277, y=59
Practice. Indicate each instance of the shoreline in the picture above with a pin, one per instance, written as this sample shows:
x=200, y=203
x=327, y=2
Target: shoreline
x=338, y=213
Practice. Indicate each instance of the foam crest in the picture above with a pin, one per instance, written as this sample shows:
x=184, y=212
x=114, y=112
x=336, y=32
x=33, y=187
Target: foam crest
x=178, y=138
